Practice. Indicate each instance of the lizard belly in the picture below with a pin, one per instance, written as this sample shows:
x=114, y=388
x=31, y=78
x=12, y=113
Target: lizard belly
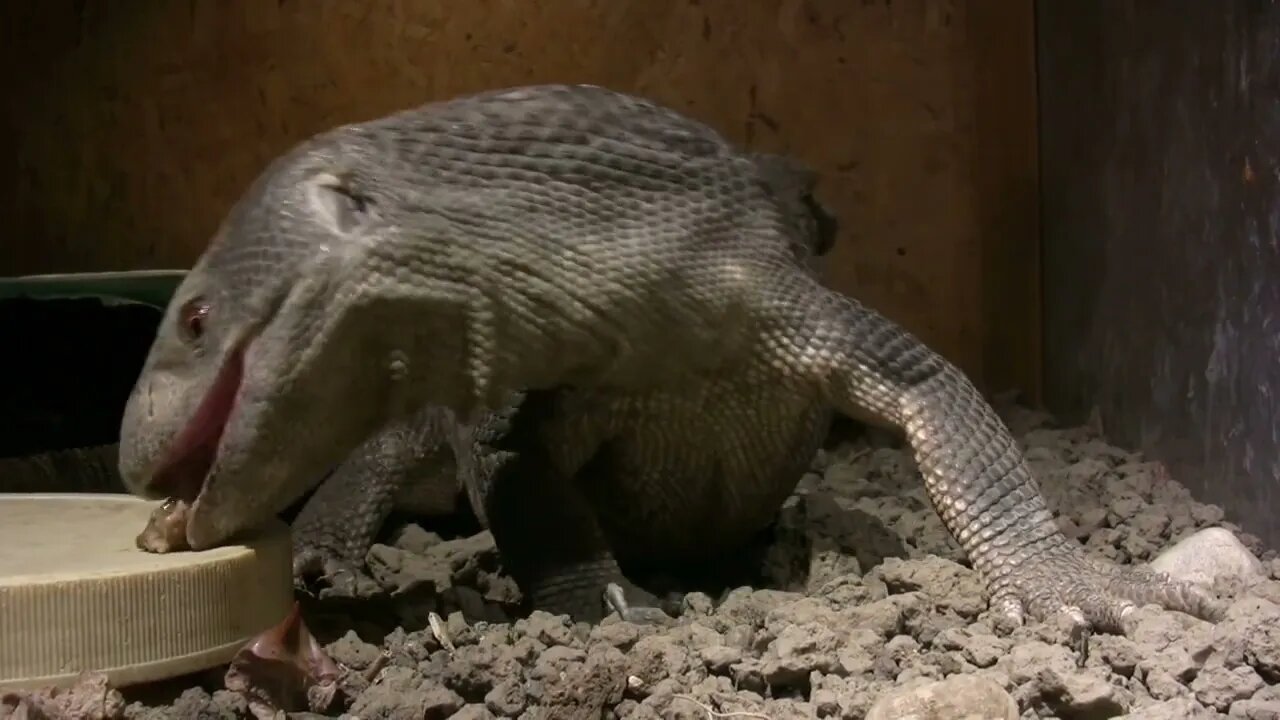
x=683, y=476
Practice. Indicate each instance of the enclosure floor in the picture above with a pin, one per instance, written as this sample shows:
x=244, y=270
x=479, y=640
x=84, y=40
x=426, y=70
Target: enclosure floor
x=829, y=627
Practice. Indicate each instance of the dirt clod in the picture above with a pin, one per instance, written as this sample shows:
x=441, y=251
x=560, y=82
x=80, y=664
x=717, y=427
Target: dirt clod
x=88, y=698
x=956, y=697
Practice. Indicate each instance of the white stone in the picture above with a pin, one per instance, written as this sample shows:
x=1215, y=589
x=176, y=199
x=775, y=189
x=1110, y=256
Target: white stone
x=959, y=696
x=1208, y=556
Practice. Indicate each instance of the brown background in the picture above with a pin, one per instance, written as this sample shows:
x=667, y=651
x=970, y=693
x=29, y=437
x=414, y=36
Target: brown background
x=135, y=124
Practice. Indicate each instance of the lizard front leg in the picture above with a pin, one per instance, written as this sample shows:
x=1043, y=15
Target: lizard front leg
x=407, y=465
x=340, y=521
x=974, y=472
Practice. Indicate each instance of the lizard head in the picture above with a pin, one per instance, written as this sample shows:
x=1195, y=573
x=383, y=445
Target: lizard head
x=251, y=390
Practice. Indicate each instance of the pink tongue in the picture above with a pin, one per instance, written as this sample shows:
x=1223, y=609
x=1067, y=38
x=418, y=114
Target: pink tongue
x=183, y=472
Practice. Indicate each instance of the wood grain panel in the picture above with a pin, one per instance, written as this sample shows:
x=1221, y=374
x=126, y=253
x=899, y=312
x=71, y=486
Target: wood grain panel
x=135, y=125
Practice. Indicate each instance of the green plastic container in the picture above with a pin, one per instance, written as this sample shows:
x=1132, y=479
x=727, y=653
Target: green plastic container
x=146, y=287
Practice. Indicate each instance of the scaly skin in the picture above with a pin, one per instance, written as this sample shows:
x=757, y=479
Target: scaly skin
x=644, y=284
x=339, y=522
x=92, y=469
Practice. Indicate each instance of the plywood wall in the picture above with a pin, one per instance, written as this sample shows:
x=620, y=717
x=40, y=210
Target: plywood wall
x=1162, y=242
x=136, y=124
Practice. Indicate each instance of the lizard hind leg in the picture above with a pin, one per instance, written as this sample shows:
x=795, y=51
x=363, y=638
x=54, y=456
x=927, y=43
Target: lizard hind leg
x=974, y=472
x=546, y=530
x=551, y=544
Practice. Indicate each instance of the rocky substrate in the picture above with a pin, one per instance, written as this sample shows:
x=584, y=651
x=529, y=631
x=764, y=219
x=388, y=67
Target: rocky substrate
x=863, y=608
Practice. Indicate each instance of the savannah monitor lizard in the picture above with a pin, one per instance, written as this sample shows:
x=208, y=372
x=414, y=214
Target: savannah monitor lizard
x=637, y=286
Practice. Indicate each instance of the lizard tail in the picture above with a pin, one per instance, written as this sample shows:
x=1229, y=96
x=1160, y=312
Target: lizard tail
x=973, y=469
x=91, y=469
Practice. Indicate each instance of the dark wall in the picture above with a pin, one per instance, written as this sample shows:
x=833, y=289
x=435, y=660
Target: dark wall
x=1160, y=129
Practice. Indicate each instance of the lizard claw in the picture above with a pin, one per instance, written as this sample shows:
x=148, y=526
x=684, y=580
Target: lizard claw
x=333, y=574
x=1092, y=595
x=284, y=669
x=616, y=598
x=1080, y=634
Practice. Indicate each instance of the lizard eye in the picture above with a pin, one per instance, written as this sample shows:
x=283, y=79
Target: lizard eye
x=193, y=314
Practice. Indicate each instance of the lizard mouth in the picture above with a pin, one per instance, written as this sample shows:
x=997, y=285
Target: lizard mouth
x=185, y=469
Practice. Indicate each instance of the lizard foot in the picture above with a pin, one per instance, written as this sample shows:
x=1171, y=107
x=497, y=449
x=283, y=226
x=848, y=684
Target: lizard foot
x=1092, y=595
x=589, y=591
x=284, y=669
x=332, y=574
x=643, y=609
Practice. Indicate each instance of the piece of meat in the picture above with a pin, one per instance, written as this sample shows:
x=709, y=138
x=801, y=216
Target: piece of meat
x=166, y=529
x=285, y=669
